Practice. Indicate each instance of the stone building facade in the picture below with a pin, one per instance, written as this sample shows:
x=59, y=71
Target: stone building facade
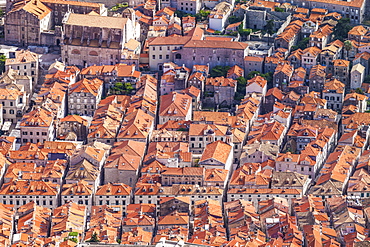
x=93, y=39
x=354, y=10
x=27, y=63
x=84, y=96
x=213, y=53
x=73, y=124
x=23, y=27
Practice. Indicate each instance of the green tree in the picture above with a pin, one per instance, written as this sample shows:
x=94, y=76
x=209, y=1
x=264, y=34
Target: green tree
x=342, y=28
x=74, y=240
x=94, y=238
x=347, y=47
x=277, y=9
x=234, y=19
x=367, y=79
x=202, y=15
x=2, y=63
x=267, y=76
x=218, y=71
x=302, y=44
x=269, y=29
x=359, y=91
x=122, y=88
x=240, y=89
x=119, y=6
x=181, y=14
x=243, y=32
x=252, y=74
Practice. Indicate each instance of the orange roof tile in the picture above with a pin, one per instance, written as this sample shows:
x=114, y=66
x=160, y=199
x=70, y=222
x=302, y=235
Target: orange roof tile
x=217, y=150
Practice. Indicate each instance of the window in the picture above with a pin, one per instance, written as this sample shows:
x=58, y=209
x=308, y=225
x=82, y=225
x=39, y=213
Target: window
x=153, y=56
x=11, y=111
x=160, y=56
x=44, y=133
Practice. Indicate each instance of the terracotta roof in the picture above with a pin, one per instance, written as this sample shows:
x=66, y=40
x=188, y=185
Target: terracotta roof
x=175, y=104
x=233, y=25
x=313, y=51
x=358, y=31
x=216, y=44
x=174, y=219
x=37, y=117
x=221, y=82
x=317, y=70
x=180, y=40
x=123, y=162
x=185, y=171
x=83, y=170
x=265, y=191
x=86, y=86
x=74, y=118
x=285, y=69
x=253, y=59
x=75, y=3
x=356, y=96
x=334, y=85
x=22, y=56
x=340, y=63
x=136, y=125
x=302, y=10
x=235, y=70
x=96, y=21
x=216, y=38
x=34, y=7
x=105, y=221
x=81, y=188
x=26, y=187
x=113, y=189
x=68, y=217
x=136, y=236
x=266, y=4
x=275, y=92
x=201, y=129
x=271, y=131
x=217, y=150
x=191, y=91
x=120, y=70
